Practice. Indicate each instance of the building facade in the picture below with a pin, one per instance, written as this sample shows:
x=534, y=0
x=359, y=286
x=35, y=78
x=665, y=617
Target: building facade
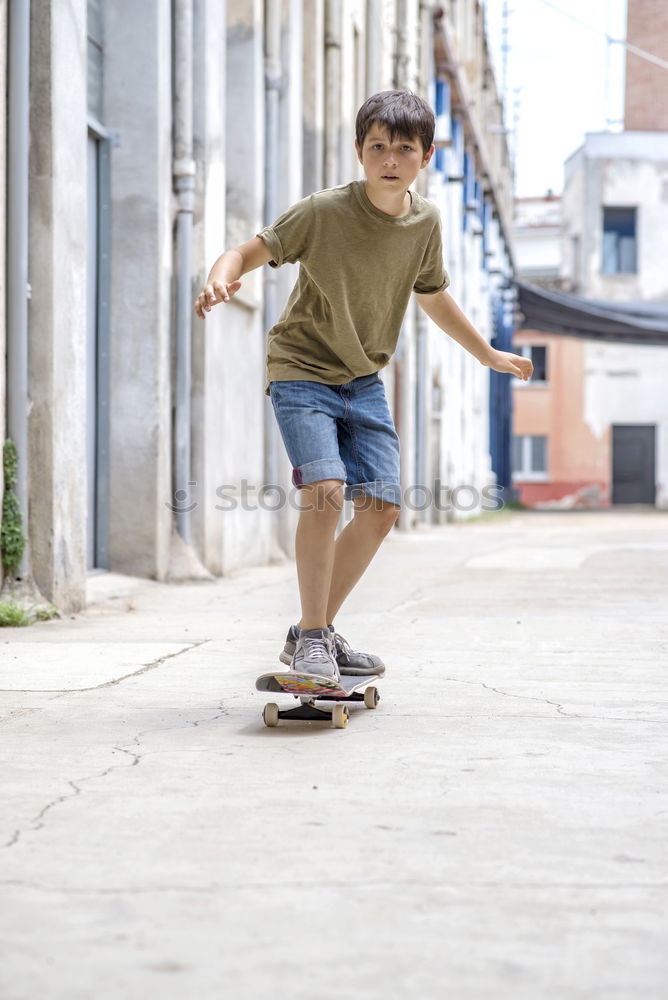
x=158, y=134
x=591, y=429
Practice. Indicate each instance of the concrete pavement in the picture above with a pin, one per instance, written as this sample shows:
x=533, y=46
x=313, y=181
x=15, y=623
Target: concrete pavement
x=497, y=828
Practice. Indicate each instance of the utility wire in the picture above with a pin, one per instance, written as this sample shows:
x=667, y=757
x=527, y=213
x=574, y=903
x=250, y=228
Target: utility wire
x=641, y=53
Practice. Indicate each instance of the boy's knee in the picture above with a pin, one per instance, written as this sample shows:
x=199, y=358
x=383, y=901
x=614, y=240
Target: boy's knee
x=379, y=514
x=325, y=496
x=389, y=515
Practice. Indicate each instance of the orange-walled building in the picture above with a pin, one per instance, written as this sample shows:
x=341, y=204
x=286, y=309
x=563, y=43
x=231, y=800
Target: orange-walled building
x=557, y=455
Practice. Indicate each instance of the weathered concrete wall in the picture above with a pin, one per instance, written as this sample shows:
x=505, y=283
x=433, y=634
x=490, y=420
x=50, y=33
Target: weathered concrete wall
x=138, y=105
x=236, y=333
x=57, y=482
x=314, y=95
x=228, y=403
x=3, y=236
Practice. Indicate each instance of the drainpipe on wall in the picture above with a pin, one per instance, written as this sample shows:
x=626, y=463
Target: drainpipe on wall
x=273, y=81
x=332, y=93
x=404, y=399
x=184, y=563
x=374, y=47
x=423, y=381
x=18, y=136
x=184, y=185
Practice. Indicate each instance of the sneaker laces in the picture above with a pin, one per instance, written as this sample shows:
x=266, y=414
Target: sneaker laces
x=317, y=649
x=345, y=646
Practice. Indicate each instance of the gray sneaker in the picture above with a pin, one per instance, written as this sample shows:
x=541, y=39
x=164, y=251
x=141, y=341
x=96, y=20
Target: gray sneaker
x=315, y=653
x=350, y=661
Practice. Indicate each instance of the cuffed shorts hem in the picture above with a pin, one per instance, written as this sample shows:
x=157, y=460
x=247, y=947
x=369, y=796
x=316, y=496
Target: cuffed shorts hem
x=387, y=492
x=313, y=472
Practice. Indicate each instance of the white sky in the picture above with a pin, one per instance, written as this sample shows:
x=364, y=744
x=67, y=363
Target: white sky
x=570, y=80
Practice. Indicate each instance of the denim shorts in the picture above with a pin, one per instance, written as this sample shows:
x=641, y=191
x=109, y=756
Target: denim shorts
x=340, y=432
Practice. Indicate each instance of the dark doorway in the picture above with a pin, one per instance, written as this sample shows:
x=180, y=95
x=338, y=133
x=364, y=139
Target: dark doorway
x=633, y=463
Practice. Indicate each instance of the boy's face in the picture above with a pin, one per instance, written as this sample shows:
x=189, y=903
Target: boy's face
x=391, y=165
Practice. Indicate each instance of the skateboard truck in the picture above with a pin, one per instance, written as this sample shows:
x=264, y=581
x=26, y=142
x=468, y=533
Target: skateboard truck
x=309, y=689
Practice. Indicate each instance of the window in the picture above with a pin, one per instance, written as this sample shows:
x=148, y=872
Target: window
x=538, y=355
x=619, y=241
x=530, y=456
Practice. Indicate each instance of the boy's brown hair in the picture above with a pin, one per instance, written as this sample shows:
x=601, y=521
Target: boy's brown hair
x=401, y=112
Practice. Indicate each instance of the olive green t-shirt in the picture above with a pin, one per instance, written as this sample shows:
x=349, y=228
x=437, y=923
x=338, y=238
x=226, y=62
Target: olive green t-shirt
x=358, y=267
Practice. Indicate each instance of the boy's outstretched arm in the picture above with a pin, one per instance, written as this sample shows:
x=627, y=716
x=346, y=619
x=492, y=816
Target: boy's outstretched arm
x=223, y=280
x=446, y=314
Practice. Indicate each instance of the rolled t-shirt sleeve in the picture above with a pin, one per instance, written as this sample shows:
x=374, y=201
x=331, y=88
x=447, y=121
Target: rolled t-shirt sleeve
x=288, y=238
x=432, y=276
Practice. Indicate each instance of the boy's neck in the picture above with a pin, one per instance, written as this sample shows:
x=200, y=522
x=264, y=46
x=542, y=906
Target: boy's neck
x=395, y=203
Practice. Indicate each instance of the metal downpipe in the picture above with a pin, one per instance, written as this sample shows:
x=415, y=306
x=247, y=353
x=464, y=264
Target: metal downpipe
x=184, y=184
x=18, y=138
x=374, y=47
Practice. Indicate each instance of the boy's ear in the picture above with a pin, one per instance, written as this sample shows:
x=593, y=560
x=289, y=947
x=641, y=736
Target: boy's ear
x=428, y=155
x=358, y=150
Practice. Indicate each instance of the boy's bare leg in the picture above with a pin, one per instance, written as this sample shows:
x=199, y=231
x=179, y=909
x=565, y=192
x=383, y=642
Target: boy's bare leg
x=356, y=546
x=321, y=505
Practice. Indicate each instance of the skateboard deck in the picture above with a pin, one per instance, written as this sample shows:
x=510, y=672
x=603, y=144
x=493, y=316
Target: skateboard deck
x=309, y=688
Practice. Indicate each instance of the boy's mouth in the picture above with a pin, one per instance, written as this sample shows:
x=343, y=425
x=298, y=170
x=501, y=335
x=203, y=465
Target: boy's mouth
x=390, y=177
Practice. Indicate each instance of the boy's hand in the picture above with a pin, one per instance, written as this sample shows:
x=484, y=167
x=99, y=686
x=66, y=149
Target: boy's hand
x=212, y=294
x=515, y=364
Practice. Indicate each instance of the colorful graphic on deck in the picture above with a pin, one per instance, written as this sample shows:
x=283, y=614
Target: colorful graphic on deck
x=304, y=685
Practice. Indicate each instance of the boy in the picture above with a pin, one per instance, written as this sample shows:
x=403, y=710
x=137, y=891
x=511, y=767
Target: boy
x=363, y=247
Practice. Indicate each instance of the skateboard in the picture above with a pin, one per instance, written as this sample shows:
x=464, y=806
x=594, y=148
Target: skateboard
x=309, y=688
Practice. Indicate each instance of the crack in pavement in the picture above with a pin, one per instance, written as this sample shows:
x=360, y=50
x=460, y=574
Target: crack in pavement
x=37, y=823
x=417, y=597
x=60, y=692
x=137, y=739
x=523, y=697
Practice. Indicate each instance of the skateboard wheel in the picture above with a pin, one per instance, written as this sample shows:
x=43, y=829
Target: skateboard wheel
x=340, y=717
x=371, y=697
x=270, y=714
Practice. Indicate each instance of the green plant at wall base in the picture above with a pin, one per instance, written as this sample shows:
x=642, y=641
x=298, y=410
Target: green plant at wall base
x=12, y=539
x=12, y=615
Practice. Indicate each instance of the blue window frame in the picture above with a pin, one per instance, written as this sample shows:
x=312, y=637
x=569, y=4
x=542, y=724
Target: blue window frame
x=469, y=187
x=456, y=159
x=442, y=108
